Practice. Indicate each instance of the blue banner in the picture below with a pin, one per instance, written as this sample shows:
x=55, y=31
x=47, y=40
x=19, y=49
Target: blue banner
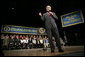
x=72, y=19
x=18, y=29
x=22, y=30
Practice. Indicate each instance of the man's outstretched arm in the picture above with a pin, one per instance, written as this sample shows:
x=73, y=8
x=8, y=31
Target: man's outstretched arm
x=42, y=16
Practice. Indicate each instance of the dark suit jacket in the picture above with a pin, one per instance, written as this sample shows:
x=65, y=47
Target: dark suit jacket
x=49, y=20
x=30, y=41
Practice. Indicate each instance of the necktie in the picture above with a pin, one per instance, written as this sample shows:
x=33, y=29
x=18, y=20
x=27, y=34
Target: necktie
x=49, y=14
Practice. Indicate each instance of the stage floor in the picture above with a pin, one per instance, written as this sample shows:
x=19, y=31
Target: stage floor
x=40, y=52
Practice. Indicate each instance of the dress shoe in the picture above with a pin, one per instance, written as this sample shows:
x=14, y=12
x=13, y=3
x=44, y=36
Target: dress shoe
x=52, y=51
x=61, y=50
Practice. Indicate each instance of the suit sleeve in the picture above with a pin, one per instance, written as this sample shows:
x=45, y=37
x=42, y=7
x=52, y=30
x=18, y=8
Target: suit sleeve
x=54, y=16
x=43, y=17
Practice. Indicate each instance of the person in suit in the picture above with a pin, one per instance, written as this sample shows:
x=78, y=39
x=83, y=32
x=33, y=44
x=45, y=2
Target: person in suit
x=17, y=42
x=38, y=41
x=2, y=41
x=51, y=28
x=30, y=42
x=6, y=42
x=11, y=42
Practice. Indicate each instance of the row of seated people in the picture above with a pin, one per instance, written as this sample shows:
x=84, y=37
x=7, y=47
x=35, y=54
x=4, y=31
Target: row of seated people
x=24, y=41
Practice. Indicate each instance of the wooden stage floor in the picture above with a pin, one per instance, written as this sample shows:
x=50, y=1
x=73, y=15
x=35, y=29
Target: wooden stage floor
x=40, y=52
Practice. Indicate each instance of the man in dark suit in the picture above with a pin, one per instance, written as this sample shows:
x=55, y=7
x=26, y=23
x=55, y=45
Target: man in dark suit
x=30, y=42
x=51, y=27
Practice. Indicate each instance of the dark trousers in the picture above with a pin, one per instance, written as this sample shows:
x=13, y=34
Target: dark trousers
x=34, y=45
x=30, y=45
x=53, y=31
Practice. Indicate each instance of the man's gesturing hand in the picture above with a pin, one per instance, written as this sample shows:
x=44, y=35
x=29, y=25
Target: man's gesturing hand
x=40, y=14
x=51, y=13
